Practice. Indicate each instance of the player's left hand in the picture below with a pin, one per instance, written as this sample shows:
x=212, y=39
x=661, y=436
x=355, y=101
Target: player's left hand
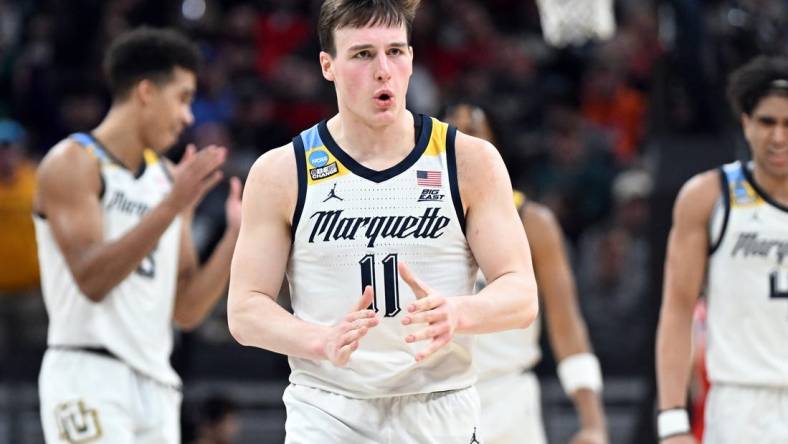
x=232, y=206
x=589, y=436
x=431, y=308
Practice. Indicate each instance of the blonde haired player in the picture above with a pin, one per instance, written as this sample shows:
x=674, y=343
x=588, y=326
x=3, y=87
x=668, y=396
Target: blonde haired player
x=509, y=391
x=730, y=232
x=118, y=265
x=380, y=351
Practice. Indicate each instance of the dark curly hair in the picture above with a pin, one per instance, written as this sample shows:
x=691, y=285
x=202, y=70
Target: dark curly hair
x=760, y=77
x=147, y=53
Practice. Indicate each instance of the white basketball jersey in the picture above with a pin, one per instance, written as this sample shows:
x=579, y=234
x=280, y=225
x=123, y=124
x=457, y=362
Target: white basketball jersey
x=506, y=352
x=351, y=227
x=748, y=285
x=133, y=321
x=510, y=351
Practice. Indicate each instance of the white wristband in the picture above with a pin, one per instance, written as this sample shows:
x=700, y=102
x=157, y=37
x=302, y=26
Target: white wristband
x=579, y=371
x=672, y=422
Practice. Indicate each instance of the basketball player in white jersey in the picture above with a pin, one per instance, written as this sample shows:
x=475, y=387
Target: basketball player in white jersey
x=730, y=233
x=380, y=351
x=509, y=391
x=118, y=265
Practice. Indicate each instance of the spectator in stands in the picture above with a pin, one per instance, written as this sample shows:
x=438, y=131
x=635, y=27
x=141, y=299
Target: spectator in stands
x=20, y=305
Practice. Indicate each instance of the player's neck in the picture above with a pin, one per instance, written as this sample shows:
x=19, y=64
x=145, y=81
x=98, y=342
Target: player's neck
x=118, y=134
x=377, y=147
x=775, y=187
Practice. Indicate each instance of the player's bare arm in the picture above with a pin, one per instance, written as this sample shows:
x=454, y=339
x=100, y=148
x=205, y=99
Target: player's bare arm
x=200, y=287
x=68, y=196
x=565, y=325
x=498, y=241
x=685, y=267
x=500, y=246
x=258, y=268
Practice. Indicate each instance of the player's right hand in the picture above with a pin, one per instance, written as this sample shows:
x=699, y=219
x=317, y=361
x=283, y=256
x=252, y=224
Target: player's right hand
x=680, y=439
x=343, y=338
x=195, y=174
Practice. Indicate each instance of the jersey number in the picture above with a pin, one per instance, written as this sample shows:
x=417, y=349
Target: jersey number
x=778, y=288
x=390, y=282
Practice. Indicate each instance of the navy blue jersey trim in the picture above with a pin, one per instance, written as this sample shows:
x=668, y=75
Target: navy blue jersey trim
x=454, y=184
x=103, y=185
x=748, y=175
x=114, y=159
x=422, y=139
x=90, y=137
x=298, y=150
x=726, y=203
x=110, y=156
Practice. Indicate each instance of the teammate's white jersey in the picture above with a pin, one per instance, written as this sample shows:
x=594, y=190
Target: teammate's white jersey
x=351, y=227
x=133, y=321
x=747, y=285
x=507, y=352
x=511, y=351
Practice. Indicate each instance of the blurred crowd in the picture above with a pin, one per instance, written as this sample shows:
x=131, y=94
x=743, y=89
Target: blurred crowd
x=594, y=131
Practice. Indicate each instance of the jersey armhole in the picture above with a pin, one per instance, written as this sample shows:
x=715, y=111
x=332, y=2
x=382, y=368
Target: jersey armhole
x=726, y=208
x=103, y=185
x=454, y=186
x=300, y=158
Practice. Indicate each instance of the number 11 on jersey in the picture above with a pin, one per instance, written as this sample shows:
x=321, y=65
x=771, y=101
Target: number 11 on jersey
x=390, y=282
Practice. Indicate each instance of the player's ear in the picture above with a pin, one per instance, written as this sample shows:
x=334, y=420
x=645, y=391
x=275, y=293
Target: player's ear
x=144, y=90
x=327, y=66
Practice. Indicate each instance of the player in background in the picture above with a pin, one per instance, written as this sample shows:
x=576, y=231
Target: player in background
x=509, y=391
x=730, y=234
x=118, y=266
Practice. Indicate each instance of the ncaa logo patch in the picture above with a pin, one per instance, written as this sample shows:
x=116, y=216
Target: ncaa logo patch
x=318, y=158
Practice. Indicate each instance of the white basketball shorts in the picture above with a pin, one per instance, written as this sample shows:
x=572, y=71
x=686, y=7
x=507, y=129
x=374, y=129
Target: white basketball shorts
x=88, y=397
x=511, y=409
x=318, y=416
x=746, y=414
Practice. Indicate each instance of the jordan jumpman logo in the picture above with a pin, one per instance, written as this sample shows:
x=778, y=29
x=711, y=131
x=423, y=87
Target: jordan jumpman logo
x=473, y=438
x=333, y=193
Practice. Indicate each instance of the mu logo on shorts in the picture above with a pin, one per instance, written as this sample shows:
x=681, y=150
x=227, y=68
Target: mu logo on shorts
x=76, y=423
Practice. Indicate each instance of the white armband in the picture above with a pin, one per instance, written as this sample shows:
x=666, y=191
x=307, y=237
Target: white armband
x=673, y=422
x=580, y=371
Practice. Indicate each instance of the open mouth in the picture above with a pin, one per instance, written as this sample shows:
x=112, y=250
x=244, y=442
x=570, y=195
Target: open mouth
x=384, y=99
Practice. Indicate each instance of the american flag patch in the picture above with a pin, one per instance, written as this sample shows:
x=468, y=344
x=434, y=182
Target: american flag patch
x=428, y=178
